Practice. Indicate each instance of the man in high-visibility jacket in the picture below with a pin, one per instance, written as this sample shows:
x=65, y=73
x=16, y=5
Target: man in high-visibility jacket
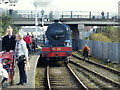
x=86, y=52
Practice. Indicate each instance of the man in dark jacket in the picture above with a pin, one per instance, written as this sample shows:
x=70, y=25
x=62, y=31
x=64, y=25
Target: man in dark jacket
x=8, y=41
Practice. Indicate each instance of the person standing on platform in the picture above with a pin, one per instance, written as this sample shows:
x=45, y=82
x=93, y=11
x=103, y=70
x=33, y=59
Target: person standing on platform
x=21, y=57
x=28, y=41
x=8, y=41
x=33, y=43
x=86, y=52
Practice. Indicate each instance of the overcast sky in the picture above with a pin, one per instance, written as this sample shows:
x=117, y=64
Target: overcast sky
x=71, y=5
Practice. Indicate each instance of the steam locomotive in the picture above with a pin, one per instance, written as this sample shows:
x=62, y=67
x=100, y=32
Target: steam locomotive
x=57, y=42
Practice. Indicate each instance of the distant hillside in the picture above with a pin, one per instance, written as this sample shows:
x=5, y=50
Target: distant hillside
x=105, y=34
x=99, y=37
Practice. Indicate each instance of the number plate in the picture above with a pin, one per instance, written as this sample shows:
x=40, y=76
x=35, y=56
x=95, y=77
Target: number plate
x=56, y=49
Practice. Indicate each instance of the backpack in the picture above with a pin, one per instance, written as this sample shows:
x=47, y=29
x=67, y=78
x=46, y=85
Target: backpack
x=85, y=51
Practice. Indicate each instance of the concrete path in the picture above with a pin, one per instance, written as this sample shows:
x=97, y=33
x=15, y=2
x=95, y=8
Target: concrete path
x=30, y=73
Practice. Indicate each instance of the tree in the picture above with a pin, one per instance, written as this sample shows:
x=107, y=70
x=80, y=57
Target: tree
x=109, y=33
x=5, y=22
x=119, y=33
x=99, y=37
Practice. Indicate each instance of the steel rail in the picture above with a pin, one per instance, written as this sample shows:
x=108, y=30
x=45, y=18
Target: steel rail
x=48, y=78
x=117, y=84
x=82, y=85
x=99, y=65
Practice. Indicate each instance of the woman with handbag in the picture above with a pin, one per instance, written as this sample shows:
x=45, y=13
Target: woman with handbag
x=21, y=57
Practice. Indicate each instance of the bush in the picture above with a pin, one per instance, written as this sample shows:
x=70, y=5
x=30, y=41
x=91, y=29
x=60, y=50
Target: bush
x=6, y=21
x=99, y=37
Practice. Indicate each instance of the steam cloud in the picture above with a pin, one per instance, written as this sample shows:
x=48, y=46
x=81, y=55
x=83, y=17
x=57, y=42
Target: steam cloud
x=41, y=3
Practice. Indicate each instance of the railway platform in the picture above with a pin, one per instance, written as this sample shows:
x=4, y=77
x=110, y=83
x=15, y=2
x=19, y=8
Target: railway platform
x=30, y=73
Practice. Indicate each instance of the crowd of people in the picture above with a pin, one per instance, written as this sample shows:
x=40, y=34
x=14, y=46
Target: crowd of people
x=21, y=47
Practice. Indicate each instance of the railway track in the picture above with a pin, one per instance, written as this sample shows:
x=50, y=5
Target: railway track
x=98, y=68
x=108, y=69
x=60, y=77
x=78, y=75
x=85, y=69
x=99, y=65
x=63, y=78
x=41, y=81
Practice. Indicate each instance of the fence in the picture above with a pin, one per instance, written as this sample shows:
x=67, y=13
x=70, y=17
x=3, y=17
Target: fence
x=101, y=50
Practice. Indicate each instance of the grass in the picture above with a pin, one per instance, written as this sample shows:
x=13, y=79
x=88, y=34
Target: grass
x=37, y=79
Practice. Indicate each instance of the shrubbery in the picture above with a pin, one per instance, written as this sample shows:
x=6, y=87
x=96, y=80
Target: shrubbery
x=106, y=34
x=99, y=37
x=5, y=22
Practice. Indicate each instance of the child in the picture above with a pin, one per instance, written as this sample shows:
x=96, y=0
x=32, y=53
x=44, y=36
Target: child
x=5, y=64
x=3, y=73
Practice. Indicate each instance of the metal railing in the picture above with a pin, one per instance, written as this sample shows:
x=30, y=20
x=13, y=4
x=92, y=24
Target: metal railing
x=65, y=14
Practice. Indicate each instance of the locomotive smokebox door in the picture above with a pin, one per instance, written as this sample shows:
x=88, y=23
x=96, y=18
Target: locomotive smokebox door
x=56, y=34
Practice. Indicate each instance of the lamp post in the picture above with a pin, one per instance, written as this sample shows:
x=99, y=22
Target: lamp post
x=9, y=3
x=39, y=3
x=42, y=22
x=119, y=9
x=119, y=21
x=36, y=20
x=42, y=13
x=3, y=4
